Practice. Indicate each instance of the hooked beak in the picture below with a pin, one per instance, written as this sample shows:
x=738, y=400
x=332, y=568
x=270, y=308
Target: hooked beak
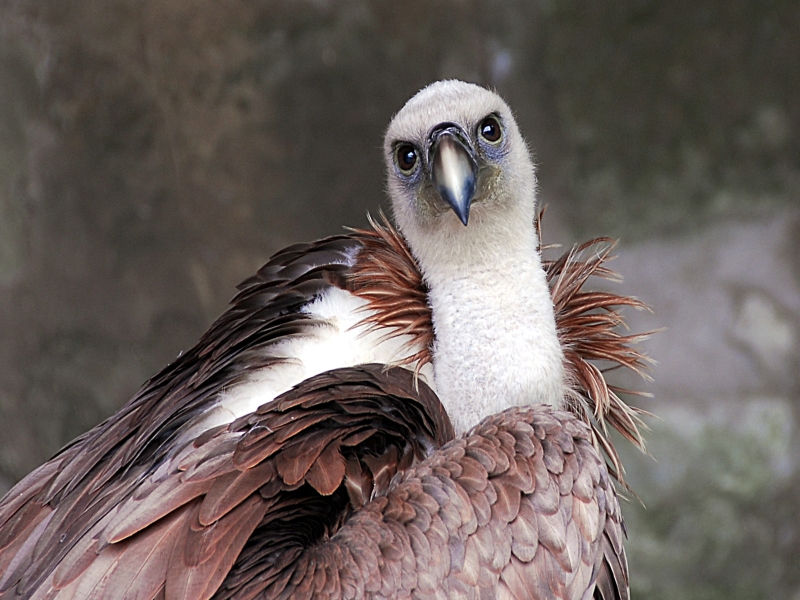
x=454, y=170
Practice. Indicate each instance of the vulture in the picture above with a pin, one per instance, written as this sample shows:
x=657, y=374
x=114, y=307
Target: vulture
x=416, y=410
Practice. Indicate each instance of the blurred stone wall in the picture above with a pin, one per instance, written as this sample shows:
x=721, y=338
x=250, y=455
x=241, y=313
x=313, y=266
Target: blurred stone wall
x=153, y=153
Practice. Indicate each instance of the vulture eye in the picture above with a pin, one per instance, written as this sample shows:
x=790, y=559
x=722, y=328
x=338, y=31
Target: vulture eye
x=490, y=130
x=406, y=156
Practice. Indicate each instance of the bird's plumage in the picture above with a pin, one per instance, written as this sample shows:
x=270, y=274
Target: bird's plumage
x=298, y=449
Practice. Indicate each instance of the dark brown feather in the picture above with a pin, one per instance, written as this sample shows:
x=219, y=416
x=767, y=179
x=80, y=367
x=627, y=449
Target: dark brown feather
x=102, y=467
x=421, y=537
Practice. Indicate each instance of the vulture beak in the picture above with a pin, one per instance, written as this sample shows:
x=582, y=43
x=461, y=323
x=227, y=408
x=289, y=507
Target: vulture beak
x=453, y=168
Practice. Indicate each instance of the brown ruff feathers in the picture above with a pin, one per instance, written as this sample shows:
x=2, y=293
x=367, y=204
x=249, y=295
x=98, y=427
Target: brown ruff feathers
x=588, y=322
x=387, y=275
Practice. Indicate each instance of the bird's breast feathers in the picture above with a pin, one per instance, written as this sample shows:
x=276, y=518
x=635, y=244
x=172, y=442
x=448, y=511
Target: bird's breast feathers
x=496, y=343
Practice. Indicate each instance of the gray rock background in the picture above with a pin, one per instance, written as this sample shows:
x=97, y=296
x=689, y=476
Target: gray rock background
x=153, y=153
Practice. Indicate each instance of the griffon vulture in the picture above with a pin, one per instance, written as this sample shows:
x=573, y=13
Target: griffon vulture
x=391, y=413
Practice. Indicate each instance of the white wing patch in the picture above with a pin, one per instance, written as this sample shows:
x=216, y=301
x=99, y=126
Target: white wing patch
x=340, y=342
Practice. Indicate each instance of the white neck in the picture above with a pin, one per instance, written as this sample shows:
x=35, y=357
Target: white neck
x=496, y=343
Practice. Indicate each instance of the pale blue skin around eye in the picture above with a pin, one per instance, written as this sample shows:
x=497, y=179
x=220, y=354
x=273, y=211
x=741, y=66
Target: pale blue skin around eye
x=487, y=152
x=413, y=179
x=493, y=152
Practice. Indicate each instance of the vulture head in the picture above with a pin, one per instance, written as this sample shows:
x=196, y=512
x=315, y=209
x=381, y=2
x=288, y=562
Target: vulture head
x=463, y=191
x=460, y=177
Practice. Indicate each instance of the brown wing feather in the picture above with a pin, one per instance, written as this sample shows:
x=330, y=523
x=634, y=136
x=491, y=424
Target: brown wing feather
x=171, y=541
x=404, y=420
x=467, y=522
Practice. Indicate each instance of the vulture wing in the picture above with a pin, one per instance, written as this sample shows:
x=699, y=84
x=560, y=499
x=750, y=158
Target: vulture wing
x=267, y=486
x=521, y=507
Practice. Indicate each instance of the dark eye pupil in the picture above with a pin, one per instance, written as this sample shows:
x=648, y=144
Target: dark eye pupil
x=490, y=129
x=406, y=157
